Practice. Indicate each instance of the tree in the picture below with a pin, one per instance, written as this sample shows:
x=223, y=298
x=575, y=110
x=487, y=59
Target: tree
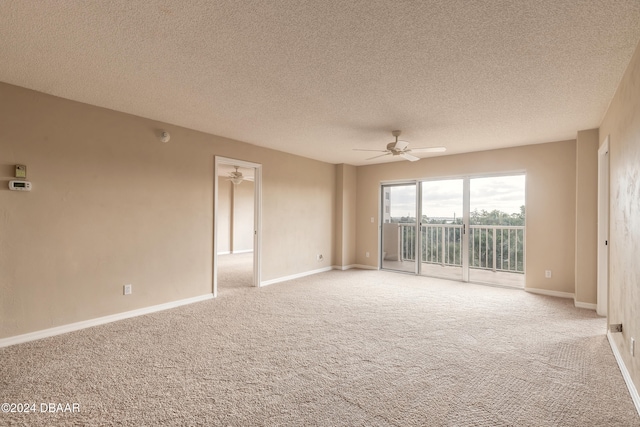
x=497, y=217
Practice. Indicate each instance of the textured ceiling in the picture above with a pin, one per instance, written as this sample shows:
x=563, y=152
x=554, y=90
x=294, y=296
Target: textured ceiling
x=319, y=78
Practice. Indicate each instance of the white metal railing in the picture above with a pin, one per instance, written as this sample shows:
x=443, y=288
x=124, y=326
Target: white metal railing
x=442, y=244
x=491, y=247
x=497, y=247
x=407, y=241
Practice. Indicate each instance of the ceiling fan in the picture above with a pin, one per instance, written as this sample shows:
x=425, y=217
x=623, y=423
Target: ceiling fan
x=237, y=177
x=401, y=148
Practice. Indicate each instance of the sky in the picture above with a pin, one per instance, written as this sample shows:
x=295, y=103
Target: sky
x=444, y=198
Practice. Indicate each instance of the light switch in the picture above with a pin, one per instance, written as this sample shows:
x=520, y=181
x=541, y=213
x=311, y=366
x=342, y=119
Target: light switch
x=21, y=171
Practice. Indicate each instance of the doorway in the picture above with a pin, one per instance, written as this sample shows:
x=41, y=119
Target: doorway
x=237, y=224
x=497, y=230
x=603, y=229
x=442, y=227
x=398, y=231
x=469, y=229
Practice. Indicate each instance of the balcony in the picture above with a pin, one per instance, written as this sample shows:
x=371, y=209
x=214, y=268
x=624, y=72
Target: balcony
x=496, y=252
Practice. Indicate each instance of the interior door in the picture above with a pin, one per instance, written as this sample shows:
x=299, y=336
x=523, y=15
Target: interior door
x=399, y=228
x=441, y=228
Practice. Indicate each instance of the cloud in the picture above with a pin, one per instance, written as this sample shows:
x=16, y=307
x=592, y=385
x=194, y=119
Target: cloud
x=403, y=200
x=444, y=198
x=504, y=193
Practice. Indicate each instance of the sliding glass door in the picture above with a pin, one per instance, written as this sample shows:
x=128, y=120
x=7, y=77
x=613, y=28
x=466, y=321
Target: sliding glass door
x=497, y=230
x=468, y=229
x=398, y=230
x=441, y=228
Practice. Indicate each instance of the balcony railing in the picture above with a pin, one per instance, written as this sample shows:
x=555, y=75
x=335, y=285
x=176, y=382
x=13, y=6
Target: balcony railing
x=497, y=248
x=491, y=247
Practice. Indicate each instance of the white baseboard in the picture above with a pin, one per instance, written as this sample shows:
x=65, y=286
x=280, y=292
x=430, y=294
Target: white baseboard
x=365, y=267
x=562, y=295
x=586, y=305
x=45, y=333
x=625, y=373
x=294, y=276
x=550, y=293
x=352, y=266
x=244, y=251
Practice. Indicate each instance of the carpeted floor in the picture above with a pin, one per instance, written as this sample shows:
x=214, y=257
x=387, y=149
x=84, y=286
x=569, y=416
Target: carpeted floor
x=234, y=271
x=352, y=348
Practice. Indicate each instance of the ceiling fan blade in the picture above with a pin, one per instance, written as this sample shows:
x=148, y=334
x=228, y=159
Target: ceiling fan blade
x=401, y=145
x=248, y=178
x=362, y=149
x=409, y=157
x=381, y=155
x=430, y=149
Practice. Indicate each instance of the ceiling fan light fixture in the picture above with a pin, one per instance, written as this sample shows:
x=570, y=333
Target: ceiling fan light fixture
x=236, y=177
x=401, y=148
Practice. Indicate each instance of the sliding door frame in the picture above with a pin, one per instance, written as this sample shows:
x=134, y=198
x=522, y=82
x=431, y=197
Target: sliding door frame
x=466, y=215
x=381, y=222
x=466, y=225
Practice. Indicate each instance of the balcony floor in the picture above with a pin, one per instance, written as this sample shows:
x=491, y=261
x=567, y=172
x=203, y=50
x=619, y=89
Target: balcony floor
x=501, y=278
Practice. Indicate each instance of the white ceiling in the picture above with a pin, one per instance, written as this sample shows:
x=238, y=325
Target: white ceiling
x=318, y=78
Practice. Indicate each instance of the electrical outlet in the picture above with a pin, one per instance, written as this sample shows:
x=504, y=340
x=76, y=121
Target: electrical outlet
x=547, y=274
x=366, y=254
x=633, y=346
x=371, y=220
x=127, y=289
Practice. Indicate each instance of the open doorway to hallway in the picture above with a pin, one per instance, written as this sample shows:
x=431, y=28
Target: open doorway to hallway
x=237, y=225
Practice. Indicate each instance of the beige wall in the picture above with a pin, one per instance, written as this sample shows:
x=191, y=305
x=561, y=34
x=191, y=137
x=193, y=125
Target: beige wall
x=345, y=252
x=243, y=225
x=622, y=125
x=224, y=216
x=113, y=205
x=298, y=203
x=235, y=216
x=586, y=216
x=550, y=203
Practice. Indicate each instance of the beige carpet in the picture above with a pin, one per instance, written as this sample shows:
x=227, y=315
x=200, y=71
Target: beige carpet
x=353, y=348
x=234, y=271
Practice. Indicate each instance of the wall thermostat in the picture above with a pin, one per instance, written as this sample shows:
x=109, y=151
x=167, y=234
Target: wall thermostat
x=19, y=185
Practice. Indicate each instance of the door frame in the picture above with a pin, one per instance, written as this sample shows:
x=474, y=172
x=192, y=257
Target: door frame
x=464, y=241
x=418, y=250
x=466, y=214
x=466, y=226
x=602, y=295
x=381, y=213
x=257, y=217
